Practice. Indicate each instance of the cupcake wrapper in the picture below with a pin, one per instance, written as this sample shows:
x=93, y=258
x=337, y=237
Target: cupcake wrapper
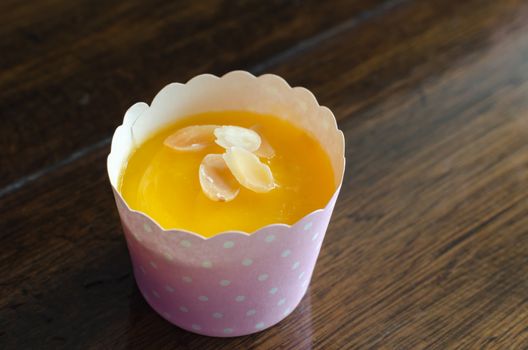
x=233, y=283
x=227, y=285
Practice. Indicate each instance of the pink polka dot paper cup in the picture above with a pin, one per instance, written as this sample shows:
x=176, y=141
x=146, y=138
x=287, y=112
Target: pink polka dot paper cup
x=234, y=283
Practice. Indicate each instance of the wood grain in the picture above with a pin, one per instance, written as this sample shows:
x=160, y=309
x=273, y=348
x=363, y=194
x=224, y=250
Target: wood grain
x=70, y=69
x=428, y=244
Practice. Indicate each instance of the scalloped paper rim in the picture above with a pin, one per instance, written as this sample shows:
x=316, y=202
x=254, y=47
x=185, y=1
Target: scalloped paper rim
x=138, y=125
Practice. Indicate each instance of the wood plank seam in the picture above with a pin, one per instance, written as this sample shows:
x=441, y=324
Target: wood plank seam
x=309, y=43
x=12, y=187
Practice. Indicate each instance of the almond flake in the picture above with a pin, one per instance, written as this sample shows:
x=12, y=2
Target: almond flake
x=217, y=182
x=236, y=136
x=249, y=170
x=191, y=138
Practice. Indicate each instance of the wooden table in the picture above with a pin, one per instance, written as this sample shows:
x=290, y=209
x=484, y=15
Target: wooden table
x=428, y=245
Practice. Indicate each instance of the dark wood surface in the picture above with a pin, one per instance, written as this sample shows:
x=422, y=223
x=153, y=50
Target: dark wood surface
x=72, y=68
x=428, y=245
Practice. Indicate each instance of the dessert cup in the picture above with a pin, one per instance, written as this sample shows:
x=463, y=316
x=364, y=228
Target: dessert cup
x=234, y=283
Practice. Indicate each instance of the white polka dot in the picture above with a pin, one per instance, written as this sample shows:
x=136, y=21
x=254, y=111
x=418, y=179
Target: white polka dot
x=259, y=325
x=196, y=327
x=143, y=270
x=247, y=262
x=273, y=290
x=282, y=301
x=147, y=227
x=187, y=279
x=183, y=309
x=286, y=253
x=169, y=289
x=295, y=265
x=207, y=264
x=270, y=238
x=229, y=244
x=168, y=256
x=203, y=298
x=156, y=294
x=308, y=226
x=286, y=312
x=251, y=312
x=225, y=283
x=167, y=315
x=263, y=277
x=240, y=298
x=153, y=264
x=228, y=330
x=314, y=237
x=185, y=243
x=217, y=315
x=301, y=275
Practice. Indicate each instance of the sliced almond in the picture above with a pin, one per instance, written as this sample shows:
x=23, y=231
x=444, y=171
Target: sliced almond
x=249, y=170
x=191, y=138
x=236, y=136
x=265, y=150
x=216, y=180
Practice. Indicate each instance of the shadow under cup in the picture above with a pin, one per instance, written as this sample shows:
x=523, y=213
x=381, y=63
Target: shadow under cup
x=233, y=283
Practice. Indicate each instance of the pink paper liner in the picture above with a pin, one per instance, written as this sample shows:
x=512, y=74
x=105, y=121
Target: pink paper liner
x=230, y=284
x=233, y=283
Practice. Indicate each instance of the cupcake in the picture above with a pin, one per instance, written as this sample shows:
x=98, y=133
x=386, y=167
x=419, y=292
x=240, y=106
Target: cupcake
x=225, y=187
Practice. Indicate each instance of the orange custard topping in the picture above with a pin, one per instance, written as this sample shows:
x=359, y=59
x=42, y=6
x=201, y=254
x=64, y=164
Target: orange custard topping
x=239, y=171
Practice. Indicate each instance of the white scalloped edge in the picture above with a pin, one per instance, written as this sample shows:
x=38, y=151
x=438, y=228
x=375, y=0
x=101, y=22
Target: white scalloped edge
x=298, y=104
